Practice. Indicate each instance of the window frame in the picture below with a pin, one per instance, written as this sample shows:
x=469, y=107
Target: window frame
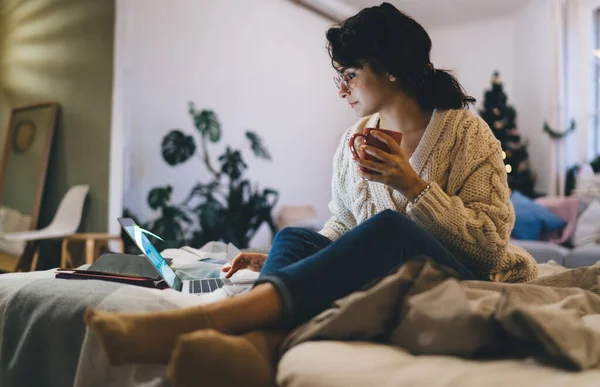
x=596, y=83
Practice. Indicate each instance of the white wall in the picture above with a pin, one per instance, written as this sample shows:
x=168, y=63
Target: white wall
x=474, y=51
x=262, y=65
x=533, y=82
x=518, y=47
x=259, y=64
x=522, y=47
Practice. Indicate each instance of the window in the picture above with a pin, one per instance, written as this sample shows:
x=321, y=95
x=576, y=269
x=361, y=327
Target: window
x=596, y=116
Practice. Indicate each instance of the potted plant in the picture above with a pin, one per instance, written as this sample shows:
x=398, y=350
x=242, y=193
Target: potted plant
x=227, y=208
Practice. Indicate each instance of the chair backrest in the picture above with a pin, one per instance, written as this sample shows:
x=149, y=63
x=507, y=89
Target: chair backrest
x=70, y=209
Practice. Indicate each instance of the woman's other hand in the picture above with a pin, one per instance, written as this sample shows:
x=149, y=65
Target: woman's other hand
x=245, y=260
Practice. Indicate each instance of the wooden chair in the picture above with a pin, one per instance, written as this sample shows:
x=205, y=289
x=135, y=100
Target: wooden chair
x=65, y=223
x=93, y=244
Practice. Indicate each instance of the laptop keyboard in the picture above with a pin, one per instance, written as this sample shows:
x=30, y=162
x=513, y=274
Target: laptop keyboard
x=207, y=285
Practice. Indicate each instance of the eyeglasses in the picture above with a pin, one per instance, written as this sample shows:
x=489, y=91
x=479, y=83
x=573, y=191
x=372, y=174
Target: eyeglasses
x=344, y=80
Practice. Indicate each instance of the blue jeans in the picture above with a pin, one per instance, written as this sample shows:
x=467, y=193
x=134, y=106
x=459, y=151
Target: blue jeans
x=310, y=272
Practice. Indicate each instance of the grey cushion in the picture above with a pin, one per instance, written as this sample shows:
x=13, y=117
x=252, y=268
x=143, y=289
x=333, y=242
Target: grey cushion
x=583, y=256
x=543, y=252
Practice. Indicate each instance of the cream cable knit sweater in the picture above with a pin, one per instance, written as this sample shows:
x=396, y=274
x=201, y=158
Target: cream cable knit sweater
x=468, y=207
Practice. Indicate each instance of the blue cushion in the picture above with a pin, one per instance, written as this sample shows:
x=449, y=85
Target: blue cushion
x=532, y=219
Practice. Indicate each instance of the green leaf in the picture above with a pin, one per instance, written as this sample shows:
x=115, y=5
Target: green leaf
x=228, y=212
x=235, y=200
x=232, y=164
x=207, y=123
x=177, y=147
x=257, y=146
x=198, y=239
x=205, y=191
x=209, y=216
x=180, y=215
x=268, y=200
x=169, y=228
x=159, y=197
x=269, y=191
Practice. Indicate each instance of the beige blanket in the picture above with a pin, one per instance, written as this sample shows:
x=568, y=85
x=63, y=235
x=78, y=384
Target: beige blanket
x=424, y=309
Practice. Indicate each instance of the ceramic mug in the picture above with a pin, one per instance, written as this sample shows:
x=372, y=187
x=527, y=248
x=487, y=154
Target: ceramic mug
x=368, y=139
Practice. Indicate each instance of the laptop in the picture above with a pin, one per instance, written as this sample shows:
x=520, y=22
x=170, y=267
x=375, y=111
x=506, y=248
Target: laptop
x=199, y=286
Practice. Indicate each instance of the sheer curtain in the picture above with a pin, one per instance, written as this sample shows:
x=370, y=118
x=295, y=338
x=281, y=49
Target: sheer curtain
x=556, y=108
x=579, y=87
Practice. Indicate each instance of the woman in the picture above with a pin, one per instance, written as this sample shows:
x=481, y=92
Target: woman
x=442, y=193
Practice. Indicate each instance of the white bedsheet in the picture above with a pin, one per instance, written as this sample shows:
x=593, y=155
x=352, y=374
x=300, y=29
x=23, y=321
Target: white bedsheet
x=360, y=364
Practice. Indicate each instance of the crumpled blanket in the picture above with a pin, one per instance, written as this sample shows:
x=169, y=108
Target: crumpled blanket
x=43, y=338
x=425, y=309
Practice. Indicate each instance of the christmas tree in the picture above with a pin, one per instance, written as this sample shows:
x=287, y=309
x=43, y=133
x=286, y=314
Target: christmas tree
x=502, y=119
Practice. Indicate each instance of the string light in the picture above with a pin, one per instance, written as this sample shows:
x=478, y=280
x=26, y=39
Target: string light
x=503, y=155
x=508, y=168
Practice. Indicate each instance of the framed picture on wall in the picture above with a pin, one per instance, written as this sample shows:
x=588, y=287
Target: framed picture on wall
x=23, y=166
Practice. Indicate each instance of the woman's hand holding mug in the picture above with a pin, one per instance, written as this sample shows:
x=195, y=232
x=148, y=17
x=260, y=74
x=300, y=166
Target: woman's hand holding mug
x=381, y=160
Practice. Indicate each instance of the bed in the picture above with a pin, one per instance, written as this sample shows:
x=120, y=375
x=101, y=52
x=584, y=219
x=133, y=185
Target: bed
x=561, y=348
x=44, y=342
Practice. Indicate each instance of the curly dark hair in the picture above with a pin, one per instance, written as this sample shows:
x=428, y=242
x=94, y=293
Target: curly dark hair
x=393, y=42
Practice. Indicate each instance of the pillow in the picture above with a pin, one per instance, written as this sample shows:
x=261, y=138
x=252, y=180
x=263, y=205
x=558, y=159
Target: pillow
x=587, y=230
x=588, y=187
x=566, y=208
x=531, y=218
x=12, y=220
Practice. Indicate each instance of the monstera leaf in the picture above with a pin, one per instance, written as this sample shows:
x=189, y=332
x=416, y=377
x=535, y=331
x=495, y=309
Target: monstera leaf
x=159, y=197
x=257, y=146
x=207, y=123
x=232, y=163
x=177, y=147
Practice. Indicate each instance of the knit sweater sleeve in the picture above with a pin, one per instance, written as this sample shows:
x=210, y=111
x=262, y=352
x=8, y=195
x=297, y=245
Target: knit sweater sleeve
x=342, y=219
x=476, y=217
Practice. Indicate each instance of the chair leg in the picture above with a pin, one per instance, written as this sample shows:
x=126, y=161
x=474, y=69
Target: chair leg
x=34, y=261
x=99, y=247
x=89, y=251
x=65, y=256
x=25, y=259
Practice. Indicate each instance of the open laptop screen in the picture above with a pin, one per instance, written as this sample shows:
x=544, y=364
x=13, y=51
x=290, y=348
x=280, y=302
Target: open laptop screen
x=137, y=235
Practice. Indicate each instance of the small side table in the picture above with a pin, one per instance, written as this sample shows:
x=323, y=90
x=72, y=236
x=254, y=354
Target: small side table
x=93, y=243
